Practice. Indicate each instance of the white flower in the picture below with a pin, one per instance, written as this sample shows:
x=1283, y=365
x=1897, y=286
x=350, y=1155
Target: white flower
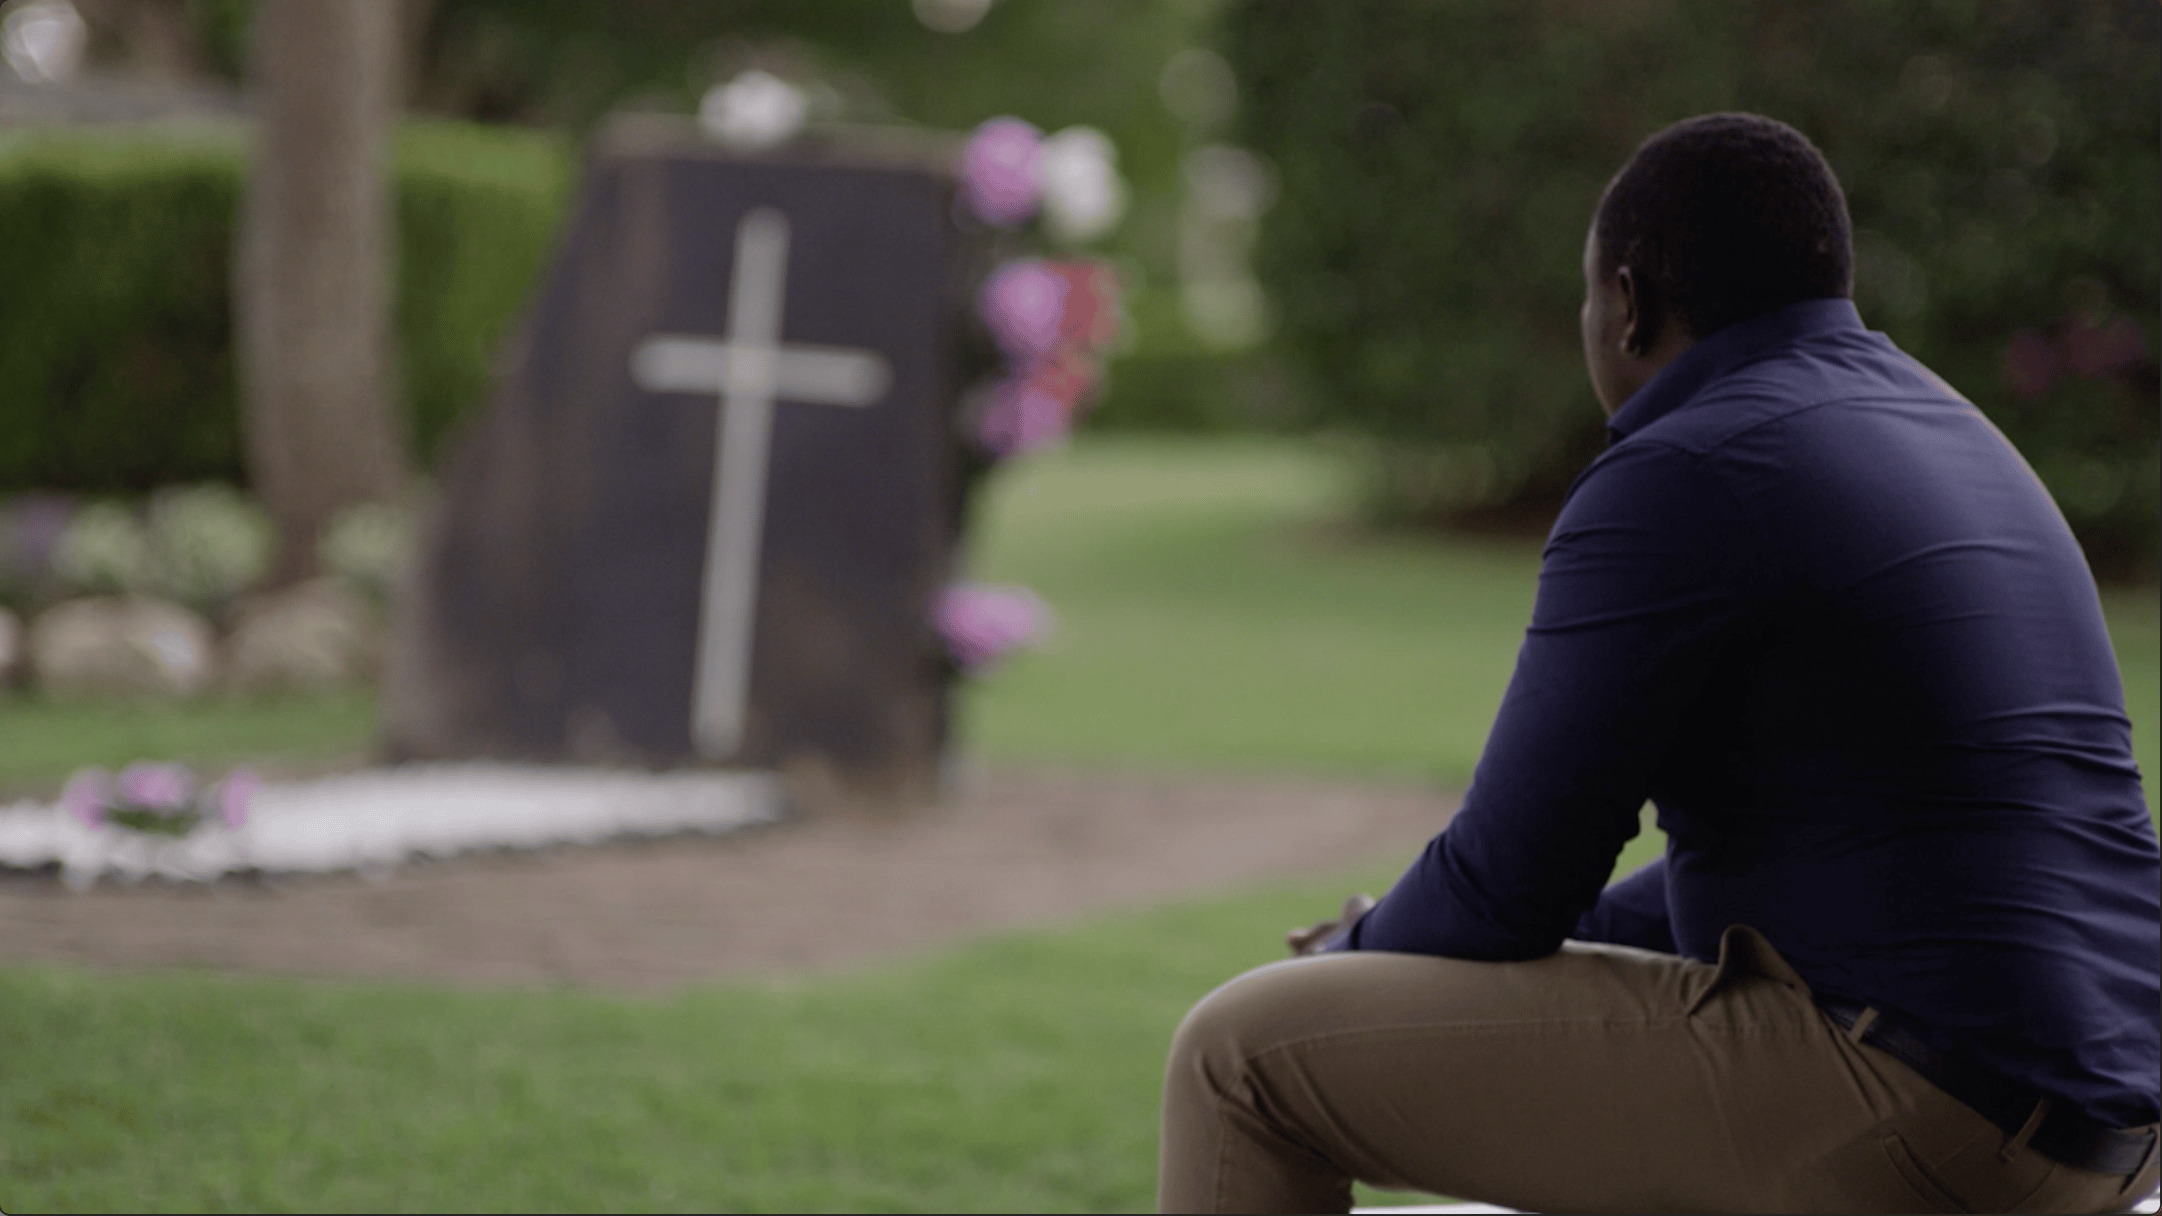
x=1083, y=194
x=755, y=110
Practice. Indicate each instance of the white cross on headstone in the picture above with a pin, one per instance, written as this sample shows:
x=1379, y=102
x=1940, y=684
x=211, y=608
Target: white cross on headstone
x=749, y=368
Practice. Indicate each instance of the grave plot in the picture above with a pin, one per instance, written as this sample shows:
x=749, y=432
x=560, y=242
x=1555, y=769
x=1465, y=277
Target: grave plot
x=1014, y=849
x=374, y=820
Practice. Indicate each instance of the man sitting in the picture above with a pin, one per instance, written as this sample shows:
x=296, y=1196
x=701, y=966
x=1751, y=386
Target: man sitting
x=1902, y=953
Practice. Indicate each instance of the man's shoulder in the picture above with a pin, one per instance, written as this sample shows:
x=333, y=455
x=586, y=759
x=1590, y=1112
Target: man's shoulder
x=1805, y=386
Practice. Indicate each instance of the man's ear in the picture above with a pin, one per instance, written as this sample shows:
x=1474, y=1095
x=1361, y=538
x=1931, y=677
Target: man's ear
x=1640, y=320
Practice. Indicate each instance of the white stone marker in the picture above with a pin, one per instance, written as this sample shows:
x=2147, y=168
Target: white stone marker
x=749, y=368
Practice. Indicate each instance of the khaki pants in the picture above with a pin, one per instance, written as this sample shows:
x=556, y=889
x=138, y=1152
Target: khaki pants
x=1600, y=1079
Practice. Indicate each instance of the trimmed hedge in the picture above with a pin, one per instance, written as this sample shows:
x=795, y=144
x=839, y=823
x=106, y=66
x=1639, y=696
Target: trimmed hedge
x=116, y=365
x=1440, y=159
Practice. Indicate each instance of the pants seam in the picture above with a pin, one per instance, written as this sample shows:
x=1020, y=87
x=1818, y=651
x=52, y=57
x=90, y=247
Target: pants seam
x=1753, y=1032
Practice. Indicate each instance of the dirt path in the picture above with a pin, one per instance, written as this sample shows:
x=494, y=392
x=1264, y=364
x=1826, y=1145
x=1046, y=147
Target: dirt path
x=1020, y=847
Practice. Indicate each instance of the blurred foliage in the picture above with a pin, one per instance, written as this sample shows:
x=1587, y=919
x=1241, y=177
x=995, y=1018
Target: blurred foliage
x=116, y=371
x=104, y=550
x=567, y=62
x=478, y=211
x=1439, y=164
x=368, y=546
x=1053, y=62
x=200, y=545
x=1193, y=391
x=564, y=64
x=1163, y=379
x=208, y=543
x=220, y=29
x=114, y=331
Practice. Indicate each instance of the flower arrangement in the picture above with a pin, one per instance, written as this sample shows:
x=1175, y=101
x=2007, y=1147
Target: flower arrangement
x=158, y=799
x=1002, y=171
x=1053, y=320
x=983, y=624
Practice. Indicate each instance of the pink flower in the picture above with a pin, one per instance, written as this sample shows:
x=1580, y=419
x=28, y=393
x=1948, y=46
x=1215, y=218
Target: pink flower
x=1090, y=319
x=1036, y=407
x=983, y=624
x=162, y=788
x=1024, y=303
x=1022, y=417
x=1002, y=171
x=234, y=794
x=86, y=794
x=1068, y=380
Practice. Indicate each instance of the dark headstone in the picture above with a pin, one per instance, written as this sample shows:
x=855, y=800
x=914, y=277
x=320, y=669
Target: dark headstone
x=562, y=586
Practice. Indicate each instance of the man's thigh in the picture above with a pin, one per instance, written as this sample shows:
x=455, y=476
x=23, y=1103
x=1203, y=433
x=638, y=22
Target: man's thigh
x=1600, y=1078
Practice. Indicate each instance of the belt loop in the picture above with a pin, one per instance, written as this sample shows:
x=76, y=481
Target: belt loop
x=1862, y=1023
x=1742, y=948
x=2026, y=1131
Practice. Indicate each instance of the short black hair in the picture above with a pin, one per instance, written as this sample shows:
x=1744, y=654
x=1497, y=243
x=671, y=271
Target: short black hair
x=1724, y=217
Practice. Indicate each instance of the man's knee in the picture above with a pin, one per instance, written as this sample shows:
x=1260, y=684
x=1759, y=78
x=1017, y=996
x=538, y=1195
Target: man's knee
x=1243, y=1018
x=1224, y=1148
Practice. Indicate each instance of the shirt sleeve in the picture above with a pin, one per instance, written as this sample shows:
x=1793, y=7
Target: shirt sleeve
x=1643, y=586
x=1632, y=912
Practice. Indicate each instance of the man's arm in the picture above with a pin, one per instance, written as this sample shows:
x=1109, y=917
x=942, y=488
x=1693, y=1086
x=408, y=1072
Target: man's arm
x=1646, y=586
x=1632, y=912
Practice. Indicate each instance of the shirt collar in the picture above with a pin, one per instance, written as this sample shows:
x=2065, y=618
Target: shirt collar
x=1724, y=351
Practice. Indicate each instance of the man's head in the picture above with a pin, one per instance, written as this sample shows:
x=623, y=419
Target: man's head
x=1714, y=220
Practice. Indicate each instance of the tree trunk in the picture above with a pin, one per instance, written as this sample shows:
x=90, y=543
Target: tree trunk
x=313, y=272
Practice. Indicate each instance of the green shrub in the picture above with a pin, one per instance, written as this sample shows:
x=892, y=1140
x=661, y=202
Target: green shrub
x=478, y=210
x=1165, y=379
x=115, y=322
x=201, y=545
x=1194, y=391
x=116, y=366
x=1439, y=162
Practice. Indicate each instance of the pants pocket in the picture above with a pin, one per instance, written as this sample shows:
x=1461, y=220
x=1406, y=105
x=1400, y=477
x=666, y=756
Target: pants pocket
x=1927, y=1189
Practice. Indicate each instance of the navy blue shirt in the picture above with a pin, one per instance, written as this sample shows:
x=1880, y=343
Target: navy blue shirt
x=1814, y=607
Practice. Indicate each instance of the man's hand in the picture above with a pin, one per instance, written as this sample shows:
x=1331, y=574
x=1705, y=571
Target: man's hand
x=1308, y=940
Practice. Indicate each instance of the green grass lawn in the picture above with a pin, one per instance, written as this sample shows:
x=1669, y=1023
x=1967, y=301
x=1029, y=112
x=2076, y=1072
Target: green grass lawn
x=42, y=742
x=1209, y=618
x=1211, y=615
x=1014, y=1075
